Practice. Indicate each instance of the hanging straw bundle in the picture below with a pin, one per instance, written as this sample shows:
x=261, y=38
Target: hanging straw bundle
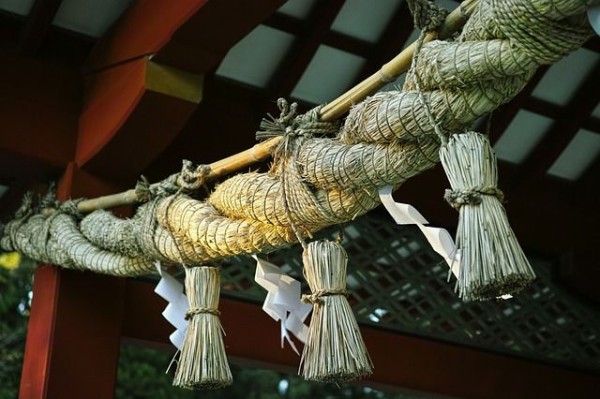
x=334, y=350
x=492, y=262
x=203, y=362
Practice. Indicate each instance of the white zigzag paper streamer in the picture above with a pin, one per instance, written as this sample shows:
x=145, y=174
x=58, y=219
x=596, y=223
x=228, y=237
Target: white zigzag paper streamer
x=283, y=301
x=440, y=240
x=171, y=290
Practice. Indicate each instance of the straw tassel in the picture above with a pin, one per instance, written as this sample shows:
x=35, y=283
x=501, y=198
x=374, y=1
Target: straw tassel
x=334, y=350
x=203, y=362
x=492, y=262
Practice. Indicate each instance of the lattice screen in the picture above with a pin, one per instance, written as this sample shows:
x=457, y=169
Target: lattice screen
x=398, y=282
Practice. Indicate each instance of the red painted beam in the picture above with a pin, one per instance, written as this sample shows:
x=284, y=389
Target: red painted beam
x=400, y=361
x=124, y=124
x=181, y=33
x=206, y=37
x=74, y=331
x=143, y=29
x=39, y=107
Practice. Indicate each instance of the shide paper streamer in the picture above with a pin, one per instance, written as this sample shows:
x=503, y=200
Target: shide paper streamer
x=283, y=301
x=171, y=291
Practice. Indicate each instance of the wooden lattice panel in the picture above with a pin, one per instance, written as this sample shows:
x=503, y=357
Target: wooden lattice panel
x=397, y=281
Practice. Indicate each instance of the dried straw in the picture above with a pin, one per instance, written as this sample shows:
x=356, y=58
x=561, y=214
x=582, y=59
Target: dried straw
x=203, y=362
x=386, y=139
x=492, y=262
x=334, y=350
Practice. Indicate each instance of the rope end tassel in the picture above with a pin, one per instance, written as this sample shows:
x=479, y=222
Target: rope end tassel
x=334, y=350
x=203, y=362
x=492, y=262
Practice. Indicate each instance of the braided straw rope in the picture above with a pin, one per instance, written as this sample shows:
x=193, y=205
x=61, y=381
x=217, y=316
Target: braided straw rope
x=385, y=139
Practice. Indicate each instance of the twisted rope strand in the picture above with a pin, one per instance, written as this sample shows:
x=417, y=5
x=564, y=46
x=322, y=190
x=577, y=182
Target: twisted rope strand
x=385, y=139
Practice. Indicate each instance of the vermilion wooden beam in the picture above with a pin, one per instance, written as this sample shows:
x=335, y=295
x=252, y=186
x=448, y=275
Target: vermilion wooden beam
x=181, y=33
x=39, y=105
x=74, y=331
x=400, y=361
x=127, y=121
x=196, y=47
x=131, y=113
x=143, y=29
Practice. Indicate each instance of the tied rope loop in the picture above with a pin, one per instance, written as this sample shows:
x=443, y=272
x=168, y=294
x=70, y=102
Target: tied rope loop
x=26, y=208
x=289, y=123
x=70, y=208
x=427, y=16
x=191, y=312
x=315, y=297
x=458, y=198
x=294, y=128
x=192, y=177
x=143, y=190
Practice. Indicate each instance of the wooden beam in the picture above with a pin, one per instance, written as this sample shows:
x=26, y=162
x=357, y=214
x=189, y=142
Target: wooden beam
x=297, y=27
x=400, y=360
x=393, y=39
x=195, y=47
x=73, y=337
x=503, y=116
x=38, y=23
x=39, y=107
x=128, y=105
x=131, y=113
x=303, y=49
x=180, y=34
x=142, y=30
x=565, y=127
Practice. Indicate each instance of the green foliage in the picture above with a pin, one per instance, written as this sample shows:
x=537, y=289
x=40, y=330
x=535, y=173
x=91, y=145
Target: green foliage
x=141, y=372
x=142, y=375
x=15, y=289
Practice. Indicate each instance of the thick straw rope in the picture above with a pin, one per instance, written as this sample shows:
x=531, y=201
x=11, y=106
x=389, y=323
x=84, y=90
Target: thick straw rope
x=386, y=139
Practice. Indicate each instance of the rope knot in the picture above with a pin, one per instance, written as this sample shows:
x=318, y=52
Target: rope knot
x=472, y=196
x=70, y=208
x=315, y=297
x=192, y=177
x=196, y=311
x=291, y=124
x=143, y=191
x=427, y=15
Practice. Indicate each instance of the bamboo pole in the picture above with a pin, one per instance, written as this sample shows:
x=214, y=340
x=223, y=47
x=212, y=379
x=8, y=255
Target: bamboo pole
x=333, y=110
